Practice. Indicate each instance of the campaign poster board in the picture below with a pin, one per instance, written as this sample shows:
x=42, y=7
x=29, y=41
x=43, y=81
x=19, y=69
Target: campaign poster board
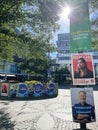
x=4, y=89
x=51, y=89
x=13, y=90
x=83, y=108
x=80, y=32
x=30, y=90
x=23, y=90
x=82, y=69
x=45, y=89
x=38, y=90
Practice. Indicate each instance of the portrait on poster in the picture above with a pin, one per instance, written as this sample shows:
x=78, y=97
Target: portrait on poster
x=13, y=90
x=4, y=89
x=82, y=69
x=83, y=109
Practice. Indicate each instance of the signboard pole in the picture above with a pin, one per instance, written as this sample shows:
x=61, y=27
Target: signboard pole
x=83, y=126
x=82, y=67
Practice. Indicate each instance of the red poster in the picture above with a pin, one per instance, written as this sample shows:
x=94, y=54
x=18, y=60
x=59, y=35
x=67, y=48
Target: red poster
x=4, y=89
x=82, y=69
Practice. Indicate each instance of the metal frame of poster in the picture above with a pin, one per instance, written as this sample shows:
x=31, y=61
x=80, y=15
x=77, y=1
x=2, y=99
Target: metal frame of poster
x=83, y=108
x=82, y=69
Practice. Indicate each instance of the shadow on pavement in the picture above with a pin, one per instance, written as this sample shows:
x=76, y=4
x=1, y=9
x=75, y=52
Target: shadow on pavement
x=5, y=122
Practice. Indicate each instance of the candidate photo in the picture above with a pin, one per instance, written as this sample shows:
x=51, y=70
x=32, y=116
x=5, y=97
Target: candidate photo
x=82, y=110
x=82, y=70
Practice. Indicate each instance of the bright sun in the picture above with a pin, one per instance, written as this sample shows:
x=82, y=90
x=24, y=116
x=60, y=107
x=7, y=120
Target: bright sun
x=65, y=12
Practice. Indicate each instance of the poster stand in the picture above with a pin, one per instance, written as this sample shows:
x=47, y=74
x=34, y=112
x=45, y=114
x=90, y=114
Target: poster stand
x=82, y=125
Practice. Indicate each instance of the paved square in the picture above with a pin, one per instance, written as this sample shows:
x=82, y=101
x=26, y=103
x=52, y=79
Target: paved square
x=48, y=114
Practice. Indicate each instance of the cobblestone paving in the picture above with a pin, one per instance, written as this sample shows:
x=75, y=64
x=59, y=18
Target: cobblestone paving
x=48, y=114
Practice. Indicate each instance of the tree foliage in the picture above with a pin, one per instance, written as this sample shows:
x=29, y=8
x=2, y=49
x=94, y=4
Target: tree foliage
x=93, y=3
x=94, y=24
x=26, y=27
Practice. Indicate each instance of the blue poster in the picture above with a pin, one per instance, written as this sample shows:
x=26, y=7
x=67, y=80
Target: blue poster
x=38, y=90
x=23, y=90
x=83, y=108
x=51, y=89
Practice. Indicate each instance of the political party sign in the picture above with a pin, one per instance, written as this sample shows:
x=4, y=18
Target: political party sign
x=51, y=89
x=13, y=90
x=83, y=108
x=4, y=89
x=80, y=34
x=23, y=90
x=82, y=69
x=38, y=90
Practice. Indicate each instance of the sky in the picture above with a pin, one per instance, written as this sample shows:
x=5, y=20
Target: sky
x=64, y=28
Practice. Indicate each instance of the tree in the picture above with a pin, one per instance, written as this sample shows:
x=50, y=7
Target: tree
x=10, y=12
x=36, y=18
x=26, y=27
x=94, y=24
x=95, y=33
x=93, y=3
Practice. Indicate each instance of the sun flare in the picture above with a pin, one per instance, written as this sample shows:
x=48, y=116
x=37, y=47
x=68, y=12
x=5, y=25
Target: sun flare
x=65, y=12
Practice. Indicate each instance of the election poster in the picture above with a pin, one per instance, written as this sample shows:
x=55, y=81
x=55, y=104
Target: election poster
x=23, y=90
x=38, y=90
x=82, y=69
x=30, y=90
x=13, y=90
x=51, y=88
x=80, y=33
x=83, y=108
x=4, y=89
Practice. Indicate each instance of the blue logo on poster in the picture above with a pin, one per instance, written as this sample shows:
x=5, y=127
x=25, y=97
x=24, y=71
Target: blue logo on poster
x=38, y=88
x=22, y=88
